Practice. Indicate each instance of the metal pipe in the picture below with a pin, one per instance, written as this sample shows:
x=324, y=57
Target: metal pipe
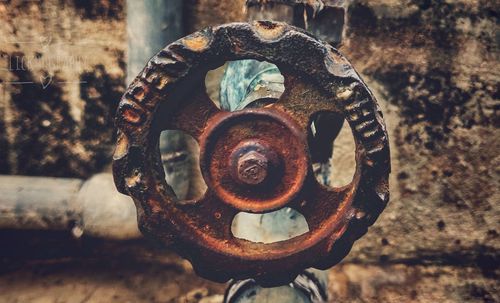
x=38, y=203
x=151, y=25
x=91, y=207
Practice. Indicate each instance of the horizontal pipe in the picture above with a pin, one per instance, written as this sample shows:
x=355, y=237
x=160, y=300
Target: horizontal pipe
x=91, y=207
x=38, y=203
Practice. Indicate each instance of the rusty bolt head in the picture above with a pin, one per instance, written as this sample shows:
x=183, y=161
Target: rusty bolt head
x=254, y=163
x=252, y=168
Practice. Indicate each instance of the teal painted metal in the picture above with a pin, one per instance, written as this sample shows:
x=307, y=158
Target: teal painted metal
x=151, y=24
x=246, y=81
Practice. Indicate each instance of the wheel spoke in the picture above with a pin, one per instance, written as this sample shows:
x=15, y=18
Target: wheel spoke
x=316, y=113
x=304, y=100
x=320, y=204
x=210, y=214
x=192, y=115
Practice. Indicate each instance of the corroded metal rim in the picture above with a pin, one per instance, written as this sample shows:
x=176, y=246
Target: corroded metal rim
x=169, y=94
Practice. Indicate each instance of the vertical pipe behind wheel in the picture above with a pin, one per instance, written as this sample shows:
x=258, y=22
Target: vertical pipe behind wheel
x=152, y=24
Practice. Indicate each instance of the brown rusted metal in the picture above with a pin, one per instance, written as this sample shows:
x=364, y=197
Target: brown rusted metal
x=255, y=160
x=266, y=131
x=252, y=168
x=254, y=163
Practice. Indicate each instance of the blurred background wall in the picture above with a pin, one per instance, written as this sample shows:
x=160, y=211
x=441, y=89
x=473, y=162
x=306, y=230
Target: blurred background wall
x=434, y=66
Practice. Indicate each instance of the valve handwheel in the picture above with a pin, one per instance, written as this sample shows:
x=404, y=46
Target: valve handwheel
x=253, y=160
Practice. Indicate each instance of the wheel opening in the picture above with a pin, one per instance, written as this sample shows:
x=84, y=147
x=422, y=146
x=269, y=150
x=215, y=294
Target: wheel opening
x=181, y=164
x=279, y=225
x=244, y=84
x=332, y=147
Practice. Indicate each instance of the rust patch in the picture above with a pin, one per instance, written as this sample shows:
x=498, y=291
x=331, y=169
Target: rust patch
x=133, y=180
x=162, y=82
x=197, y=43
x=269, y=30
x=132, y=116
x=121, y=146
x=139, y=94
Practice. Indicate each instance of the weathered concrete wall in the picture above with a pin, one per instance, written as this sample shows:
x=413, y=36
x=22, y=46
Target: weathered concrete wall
x=434, y=66
x=62, y=74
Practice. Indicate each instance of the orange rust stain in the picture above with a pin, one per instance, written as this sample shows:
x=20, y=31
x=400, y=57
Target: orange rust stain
x=155, y=206
x=140, y=94
x=121, y=147
x=269, y=31
x=133, y=181
x=196, y=43
x=164, y=80
x=131, y=116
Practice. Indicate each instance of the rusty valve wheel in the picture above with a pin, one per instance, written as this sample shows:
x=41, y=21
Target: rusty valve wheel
x=253, y=160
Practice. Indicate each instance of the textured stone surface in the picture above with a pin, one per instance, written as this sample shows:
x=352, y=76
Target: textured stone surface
x=436, y=76
x=416, y=283
x=62, y=73
x=89, y=270
x=203, y=13
x=61, y=269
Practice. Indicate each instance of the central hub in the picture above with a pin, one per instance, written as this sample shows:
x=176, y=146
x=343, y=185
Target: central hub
x=255, y=160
